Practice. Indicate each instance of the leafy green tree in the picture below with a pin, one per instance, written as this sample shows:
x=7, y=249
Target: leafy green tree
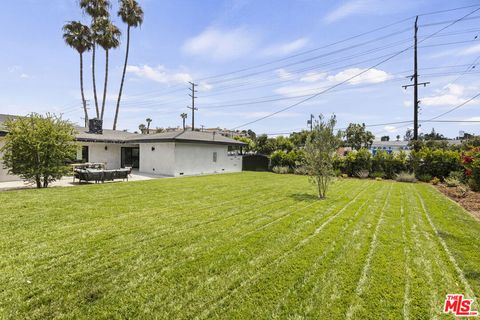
x=96, y=9
x=37, y=148
x=250, y=144
x=356, y=136
x=433, y=135
x=299, y=138
x=107, y=36
x=79, y=37
x=265, y=145
x=283, y=143
x=319, y=153
x=385, y=138
x=131, y=14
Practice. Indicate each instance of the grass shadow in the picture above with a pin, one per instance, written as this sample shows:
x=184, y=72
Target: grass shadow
x=308, y=197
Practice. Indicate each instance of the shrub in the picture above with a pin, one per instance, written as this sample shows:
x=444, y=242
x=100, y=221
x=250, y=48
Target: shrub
x=435, y=181
x=281, y=170
x=452, y=182
x=280, y=158
x=37, y=148
x=378, y=179
x=344, y=175
x=300, y=171
x=378, y=174
x=437, y=163
x=425, y=177
x=277, y=158
x=471, y=162
x=358, y=161
x=362, y=174
x=457, y=175
x=405, y=177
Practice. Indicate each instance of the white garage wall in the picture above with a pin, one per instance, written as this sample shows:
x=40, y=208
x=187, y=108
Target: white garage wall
x=159, y=161
x=196, y=158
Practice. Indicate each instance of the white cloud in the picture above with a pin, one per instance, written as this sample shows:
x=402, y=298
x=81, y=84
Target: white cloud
x=450, y=95
x=283, y=74
x=407, y=103
x=159, y=74
x=313, y=76
x=221, y=44
x=286, y=48
x=321, y=81
x=470, y=50
x=368, y=76
x=442, y=100
x=373, y=7
x=390, y=129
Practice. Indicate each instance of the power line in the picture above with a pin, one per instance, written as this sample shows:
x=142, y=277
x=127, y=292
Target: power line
x=353, y=77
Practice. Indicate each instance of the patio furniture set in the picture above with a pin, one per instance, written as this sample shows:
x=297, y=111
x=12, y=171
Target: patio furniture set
x=96, y=172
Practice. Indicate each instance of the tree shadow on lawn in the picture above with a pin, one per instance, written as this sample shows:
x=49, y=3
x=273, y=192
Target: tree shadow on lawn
x=302, y=197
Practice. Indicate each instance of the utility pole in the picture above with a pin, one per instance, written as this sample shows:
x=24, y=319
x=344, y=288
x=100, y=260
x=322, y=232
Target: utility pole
x=202, y=127
x=310, y=122
x=192, y=95
x=415, y=84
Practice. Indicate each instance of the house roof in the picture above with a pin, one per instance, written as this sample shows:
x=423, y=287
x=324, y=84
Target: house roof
x=186, y=136
x=112, y=136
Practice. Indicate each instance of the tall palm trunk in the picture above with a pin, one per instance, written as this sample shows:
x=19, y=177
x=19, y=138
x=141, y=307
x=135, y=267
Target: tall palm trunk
x=84, y=102
x=123, y=80
x=94, y=80
x=105, y=85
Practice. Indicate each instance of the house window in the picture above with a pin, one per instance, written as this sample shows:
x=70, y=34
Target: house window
x=84, y=153
x=214, y=157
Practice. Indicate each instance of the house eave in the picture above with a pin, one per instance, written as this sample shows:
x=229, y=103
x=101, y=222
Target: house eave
x=187, y=141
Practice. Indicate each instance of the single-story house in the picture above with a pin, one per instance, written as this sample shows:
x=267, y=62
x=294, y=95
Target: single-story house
x=164, y=154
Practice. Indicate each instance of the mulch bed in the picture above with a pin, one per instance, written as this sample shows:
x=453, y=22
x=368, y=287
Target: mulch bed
x=469, y=200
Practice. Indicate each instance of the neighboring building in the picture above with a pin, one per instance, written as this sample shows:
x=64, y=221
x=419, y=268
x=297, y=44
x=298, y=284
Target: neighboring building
x=397, y=146
x=389, y=146
x=166, y=154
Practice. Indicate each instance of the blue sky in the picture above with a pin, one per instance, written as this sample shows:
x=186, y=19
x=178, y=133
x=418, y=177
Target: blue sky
x=194, y=40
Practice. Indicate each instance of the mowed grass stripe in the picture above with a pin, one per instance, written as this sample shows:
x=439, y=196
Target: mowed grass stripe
x=326, y=293
x=466, y=286
x=254, y=249
x=297, y=293
x=139, y=219
x=459, y=230
x=232, y=246
x=304, y=239
x=383, y=292
x=357, y=302
x=407, y=260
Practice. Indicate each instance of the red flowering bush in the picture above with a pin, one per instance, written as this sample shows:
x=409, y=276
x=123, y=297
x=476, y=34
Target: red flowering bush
x=471, y=162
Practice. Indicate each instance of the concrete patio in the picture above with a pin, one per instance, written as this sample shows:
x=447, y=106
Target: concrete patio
x=68, y=182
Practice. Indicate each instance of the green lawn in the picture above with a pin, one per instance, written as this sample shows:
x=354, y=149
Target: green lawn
x=249, y=245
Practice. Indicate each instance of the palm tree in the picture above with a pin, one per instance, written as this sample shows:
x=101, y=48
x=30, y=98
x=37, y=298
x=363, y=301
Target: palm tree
x=184, y=116
x=142, y=127
x=148, y=125
x=95, y=9
x=79, y=37
x=131, y=14
x=108, y=37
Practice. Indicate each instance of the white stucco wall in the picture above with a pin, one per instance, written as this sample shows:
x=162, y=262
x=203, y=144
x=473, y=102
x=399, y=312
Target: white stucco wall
x=112, y=156
x=195, y=158
x=160, y=161
x=4, y=176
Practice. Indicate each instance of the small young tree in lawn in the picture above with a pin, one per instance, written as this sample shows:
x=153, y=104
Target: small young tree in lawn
x=37, y=148
x=320, y=149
